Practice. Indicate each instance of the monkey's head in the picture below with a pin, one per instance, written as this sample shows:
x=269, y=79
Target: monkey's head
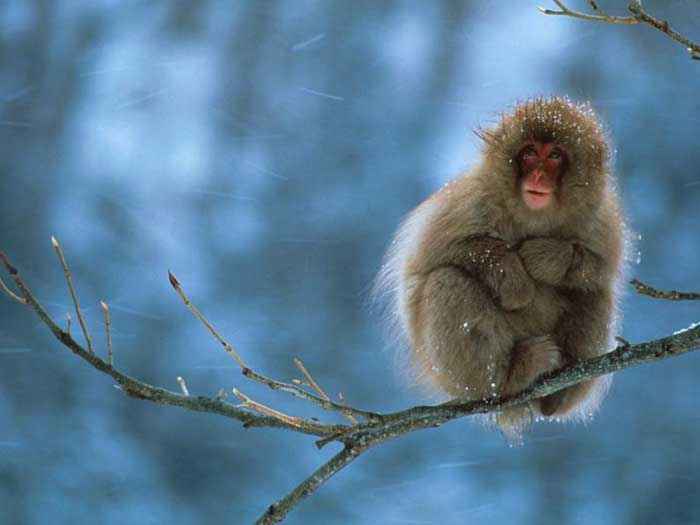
x=548, y=159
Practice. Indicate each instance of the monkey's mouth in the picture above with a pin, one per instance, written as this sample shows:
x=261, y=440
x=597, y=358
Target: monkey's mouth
x=536, y=199
x=538, y=193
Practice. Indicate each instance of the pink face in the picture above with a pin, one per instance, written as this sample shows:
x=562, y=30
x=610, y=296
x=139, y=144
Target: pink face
x=541, y=167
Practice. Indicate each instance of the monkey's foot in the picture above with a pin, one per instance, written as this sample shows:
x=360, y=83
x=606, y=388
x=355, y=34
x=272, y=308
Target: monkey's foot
x=532, y=357
x=514, y=422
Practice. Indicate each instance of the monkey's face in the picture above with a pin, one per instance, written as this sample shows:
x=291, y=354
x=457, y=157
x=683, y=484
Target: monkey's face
x=540, y=168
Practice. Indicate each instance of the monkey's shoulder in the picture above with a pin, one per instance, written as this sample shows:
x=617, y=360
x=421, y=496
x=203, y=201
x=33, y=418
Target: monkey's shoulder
x=464, y=207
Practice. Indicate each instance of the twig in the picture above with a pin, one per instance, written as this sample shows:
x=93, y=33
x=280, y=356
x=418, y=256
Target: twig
x=595, y=7
x=300, y=393
x=639, y=15
x=317, y=388
x=105, y=310
x=229, y=349
x=183, y=385
x=9, y=292
x=624, y=342
x=671, y=295
x=69, y=280
x=264, y=409
x=294, y=390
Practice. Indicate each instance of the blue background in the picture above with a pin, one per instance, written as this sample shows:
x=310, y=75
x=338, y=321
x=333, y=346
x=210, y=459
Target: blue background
x=265, y=152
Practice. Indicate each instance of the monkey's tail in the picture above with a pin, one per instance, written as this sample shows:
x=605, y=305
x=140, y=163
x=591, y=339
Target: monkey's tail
x=514, y=421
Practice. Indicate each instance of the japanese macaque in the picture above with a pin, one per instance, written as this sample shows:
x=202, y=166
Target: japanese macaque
x=509, y=272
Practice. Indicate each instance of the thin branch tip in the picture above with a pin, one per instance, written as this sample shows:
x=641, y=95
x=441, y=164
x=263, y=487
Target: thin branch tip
x=173, y=280
x=108, y=331
x=264, y=409
x=183, y=386
x=73, y=294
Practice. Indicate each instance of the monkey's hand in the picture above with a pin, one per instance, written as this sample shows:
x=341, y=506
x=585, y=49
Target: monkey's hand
x=494, y=263
x=548, y=259
x=516, y=289
x=563, y=263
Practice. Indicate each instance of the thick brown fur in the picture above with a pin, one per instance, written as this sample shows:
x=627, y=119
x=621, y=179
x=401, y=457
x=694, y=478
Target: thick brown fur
x=491, y=294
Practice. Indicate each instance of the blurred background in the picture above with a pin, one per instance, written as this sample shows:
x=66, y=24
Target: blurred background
x=265, y=152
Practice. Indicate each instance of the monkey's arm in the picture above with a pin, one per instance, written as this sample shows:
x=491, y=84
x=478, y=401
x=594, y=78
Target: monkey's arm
x=563, y=263
x=498, y=266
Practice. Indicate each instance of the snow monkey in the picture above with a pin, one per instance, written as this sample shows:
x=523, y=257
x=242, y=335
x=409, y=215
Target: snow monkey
x=509, y=272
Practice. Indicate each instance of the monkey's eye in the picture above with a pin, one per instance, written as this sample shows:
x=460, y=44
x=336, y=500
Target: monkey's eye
x=555, y=154
x=528, y=153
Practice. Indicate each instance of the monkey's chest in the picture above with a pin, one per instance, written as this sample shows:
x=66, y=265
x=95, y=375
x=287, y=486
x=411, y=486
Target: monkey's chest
x=541, y=316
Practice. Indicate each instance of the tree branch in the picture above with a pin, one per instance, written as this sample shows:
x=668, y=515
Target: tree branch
x=136, y=389
x=323, y=402
x=279, y=510
x=73, y=295
x=639, y=15
x=378, y=428
x=671, y=295
x=362, y=437
x=600, y=17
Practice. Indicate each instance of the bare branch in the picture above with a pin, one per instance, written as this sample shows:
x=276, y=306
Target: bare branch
x=10, y=293
x=138, y=390
x=264, y=409
x=294, y=390
x=671, y=295
x=229, y=349
x=600, y=17
x=69, y=280
x=317, y=388
x=639, y=15
x=300, y=393
x=662, y=25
